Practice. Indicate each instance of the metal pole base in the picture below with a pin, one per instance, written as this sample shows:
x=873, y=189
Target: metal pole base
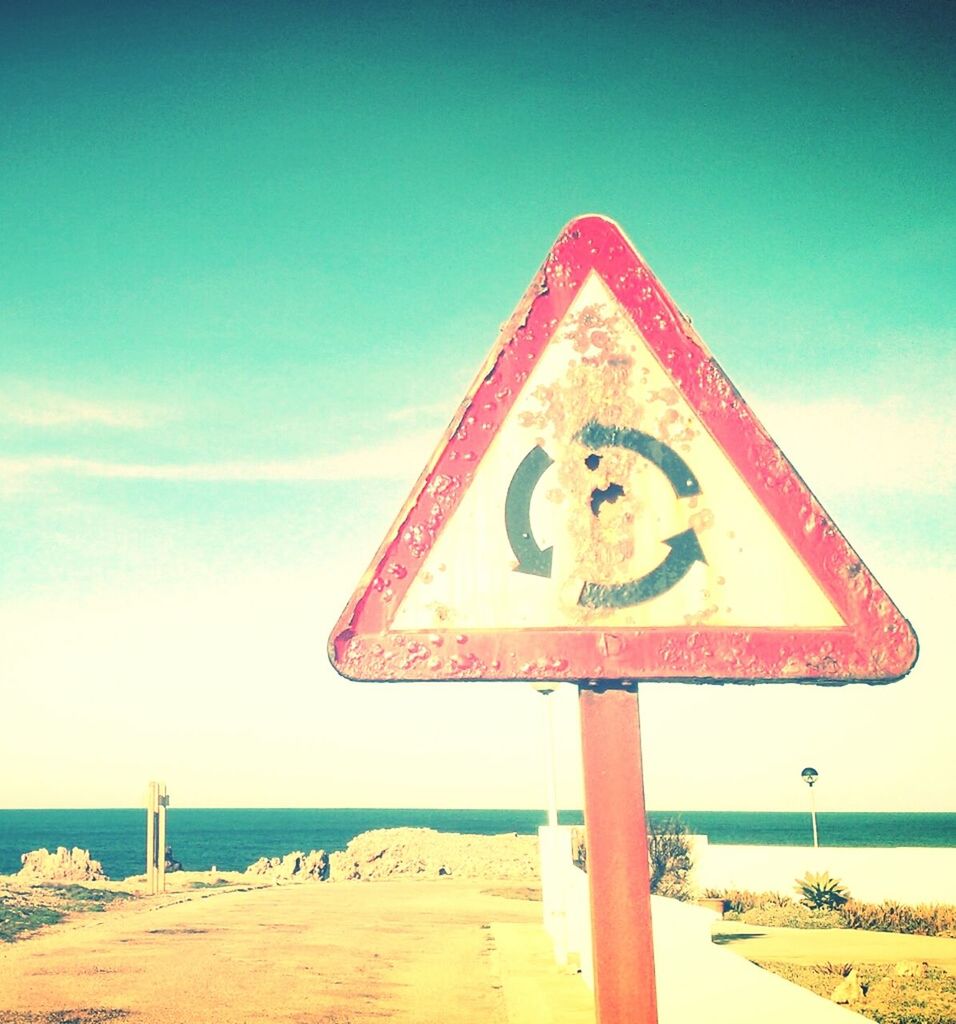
x=618, y=874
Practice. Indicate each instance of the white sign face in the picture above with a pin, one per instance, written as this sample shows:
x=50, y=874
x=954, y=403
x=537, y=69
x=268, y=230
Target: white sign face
x=649, y=522
x=606, y=507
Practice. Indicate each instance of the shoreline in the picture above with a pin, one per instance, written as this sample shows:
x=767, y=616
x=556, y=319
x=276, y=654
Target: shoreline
x=234, y=838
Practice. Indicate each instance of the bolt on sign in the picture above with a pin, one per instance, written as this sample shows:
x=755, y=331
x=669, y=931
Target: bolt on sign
x=605, y=506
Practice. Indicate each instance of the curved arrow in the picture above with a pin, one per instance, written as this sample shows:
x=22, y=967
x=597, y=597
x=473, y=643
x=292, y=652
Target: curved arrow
x=684, y=551
x=595, y=435
x=531, y=559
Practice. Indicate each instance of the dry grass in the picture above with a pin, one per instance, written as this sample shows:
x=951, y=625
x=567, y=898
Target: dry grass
x=929, y=998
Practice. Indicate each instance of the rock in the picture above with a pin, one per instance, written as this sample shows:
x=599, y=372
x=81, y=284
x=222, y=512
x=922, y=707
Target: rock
x=911, y=969
x=404, y=852
x=74, y=865
x=293, y=867
x=316, y=865
x=849, y=990
x=427, y=853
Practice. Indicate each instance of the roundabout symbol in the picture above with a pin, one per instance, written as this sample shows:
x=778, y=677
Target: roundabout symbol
x=685, y=548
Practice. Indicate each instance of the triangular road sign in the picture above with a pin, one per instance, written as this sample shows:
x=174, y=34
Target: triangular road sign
x=605, y=506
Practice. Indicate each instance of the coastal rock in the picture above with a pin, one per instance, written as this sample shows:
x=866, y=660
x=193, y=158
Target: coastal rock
x=293, y=867
x=426, y=853
x=849, y=990
x=74, y=865
x=911, y=969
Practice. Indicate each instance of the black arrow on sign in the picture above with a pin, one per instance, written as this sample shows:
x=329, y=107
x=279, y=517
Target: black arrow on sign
x=682, y=479
x=531, y=559
x=684, y=551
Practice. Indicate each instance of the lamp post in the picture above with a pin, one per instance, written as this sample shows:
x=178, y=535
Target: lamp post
x=546, y=690
x=810, y=776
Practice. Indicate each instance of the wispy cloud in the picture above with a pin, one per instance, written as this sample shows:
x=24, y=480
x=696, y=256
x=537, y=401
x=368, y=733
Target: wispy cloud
x=850, y=445
x=401, y=458
x=28, y=406
x=840, y=445
x=438, y=411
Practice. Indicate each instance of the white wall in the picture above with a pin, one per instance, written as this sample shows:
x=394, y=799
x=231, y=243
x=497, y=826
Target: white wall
x=696, y=980
x=873, y=874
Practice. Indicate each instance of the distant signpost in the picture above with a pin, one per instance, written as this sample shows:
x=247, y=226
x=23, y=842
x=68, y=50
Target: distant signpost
x=604, y=508
x=157, y=800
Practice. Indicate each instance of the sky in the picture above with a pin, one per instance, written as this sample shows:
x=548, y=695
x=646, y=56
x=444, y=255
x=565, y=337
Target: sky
x=252, y=256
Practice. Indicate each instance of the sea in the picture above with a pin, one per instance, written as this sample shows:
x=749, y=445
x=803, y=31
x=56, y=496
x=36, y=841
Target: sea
x=231, y=839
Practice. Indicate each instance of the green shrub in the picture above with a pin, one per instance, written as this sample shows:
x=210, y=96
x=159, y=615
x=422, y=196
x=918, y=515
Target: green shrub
x=579, y=847
x=668, y=856
x=821, y=892
x=17, y=918
x=78, y=897
x=837, y=970
x=793, y=916
x=741, y=900
x=923, y=919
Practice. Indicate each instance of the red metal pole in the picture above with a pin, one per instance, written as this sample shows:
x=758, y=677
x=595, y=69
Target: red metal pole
x=618, y=875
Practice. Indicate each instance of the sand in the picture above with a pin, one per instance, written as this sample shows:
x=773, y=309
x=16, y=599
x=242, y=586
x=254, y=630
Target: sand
x=411, y=952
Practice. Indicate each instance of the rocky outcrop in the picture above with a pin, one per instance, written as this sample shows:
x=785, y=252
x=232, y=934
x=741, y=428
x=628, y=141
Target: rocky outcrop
x=912, y=969
x=74, y=865
x=409, y=852
x=849, y=991
x=293, y=867
x=426, y=853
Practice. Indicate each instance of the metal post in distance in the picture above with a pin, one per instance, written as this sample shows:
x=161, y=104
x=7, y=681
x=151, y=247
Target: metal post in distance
x=547, y=690
x=157, y=800
x=810, y=776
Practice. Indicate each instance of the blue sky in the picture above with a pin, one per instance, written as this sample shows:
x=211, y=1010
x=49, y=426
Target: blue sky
x=250, y=260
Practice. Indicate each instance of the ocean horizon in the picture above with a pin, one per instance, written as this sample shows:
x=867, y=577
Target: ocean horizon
x=233, y=838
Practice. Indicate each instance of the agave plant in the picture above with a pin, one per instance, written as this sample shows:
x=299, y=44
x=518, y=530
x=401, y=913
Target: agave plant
x=840, y=970
x=821, y=892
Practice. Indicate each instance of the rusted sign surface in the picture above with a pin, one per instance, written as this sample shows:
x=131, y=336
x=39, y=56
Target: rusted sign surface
x=605, y=506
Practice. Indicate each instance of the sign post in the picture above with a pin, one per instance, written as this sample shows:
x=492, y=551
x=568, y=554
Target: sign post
x=606, y=509
x=157, y=800
x=618, y=875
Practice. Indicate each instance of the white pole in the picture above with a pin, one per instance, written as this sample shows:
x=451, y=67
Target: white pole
x=552, y=763
x=162, y=802
x=547, y=691
x=151, y=798
x=813, y=817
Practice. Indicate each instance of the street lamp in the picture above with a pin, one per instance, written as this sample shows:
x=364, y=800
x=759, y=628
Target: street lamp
x=547, y=690
x=810, y=776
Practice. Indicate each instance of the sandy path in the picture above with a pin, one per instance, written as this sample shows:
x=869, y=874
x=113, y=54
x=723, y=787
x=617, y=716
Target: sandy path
x=344, y=953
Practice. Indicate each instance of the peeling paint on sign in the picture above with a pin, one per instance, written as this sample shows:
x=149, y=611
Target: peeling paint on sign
x=605, y=506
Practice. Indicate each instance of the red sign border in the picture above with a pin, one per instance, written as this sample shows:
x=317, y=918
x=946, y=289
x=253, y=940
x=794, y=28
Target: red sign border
x=877, y=644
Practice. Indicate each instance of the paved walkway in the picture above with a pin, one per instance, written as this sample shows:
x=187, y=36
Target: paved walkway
x=441, y=952
x=837, y=945
x=446, y=952
x=699, y=982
